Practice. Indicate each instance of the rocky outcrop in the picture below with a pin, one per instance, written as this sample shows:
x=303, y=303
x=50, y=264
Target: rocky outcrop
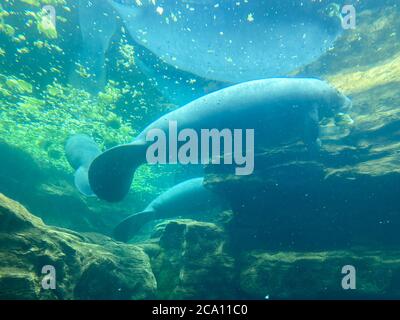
x=86, y=266
x=317, y=275
x=184, y=259
x=299, y=206
x=190, y=257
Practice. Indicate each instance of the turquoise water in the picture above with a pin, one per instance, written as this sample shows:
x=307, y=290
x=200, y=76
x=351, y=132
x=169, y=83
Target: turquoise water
x=315, y=215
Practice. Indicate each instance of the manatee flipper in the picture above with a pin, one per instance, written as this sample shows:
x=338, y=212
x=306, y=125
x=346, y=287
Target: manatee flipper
x=80, y=150
x=126, y=229
x=82, y=183
x=312, y=130
x=97, y=24
x=111, y=173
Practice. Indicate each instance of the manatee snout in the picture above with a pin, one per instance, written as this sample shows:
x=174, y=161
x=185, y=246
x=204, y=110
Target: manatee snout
x=337, y=102
x=342, y=117
x=337, y=107
x=347, y=104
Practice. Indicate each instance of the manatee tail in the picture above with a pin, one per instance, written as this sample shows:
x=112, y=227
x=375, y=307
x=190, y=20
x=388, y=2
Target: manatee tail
x=126, y=229
x=80, y=150
x=111, y=173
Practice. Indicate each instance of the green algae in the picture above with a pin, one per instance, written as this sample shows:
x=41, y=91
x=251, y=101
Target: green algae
x=27, y=121
x=7, y=29
x=39, y=110
x=46, y=26
x=35, y=3
x=38, y=3
x=18, y=85
x=41, y=125
x=127, y=53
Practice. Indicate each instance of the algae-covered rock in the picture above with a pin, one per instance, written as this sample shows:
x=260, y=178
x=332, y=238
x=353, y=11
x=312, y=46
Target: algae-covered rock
x=50, y=194
x=86, y=266
x=190, y=257
x=318, y=275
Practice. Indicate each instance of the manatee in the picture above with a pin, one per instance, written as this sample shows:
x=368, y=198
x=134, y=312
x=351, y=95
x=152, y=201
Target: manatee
x=233, y=41
x=80, y=150
x=280, y=110
x=188, y=197
x=228, y=41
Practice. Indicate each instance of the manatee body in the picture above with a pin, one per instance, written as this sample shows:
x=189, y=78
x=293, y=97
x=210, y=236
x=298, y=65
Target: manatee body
x=188, y=197
x=230, y=42
x=227, y=42
x=279, y=110
x=80, y=150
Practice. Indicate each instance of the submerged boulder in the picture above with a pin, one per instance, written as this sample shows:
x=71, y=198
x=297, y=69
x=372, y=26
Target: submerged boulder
x=190, y=260
x=86, y=266
x=318, y=275
x=190, y=257
x=197, y=260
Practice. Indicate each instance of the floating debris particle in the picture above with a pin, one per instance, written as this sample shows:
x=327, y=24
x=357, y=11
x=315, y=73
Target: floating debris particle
x=82, y=71
x=35, y=3
x=46, y=26
x=160, y=10
x=127, y=51
x=7, y=29
x=24, y=50
x=19, y=85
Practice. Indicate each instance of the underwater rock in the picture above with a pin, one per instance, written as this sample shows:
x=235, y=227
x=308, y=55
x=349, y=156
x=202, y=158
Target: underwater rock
x=86, y=266
x=346, y=193
x=50, y=194
x=317, y=275
x=188, y=258
x=374, y=39
x=339, y=208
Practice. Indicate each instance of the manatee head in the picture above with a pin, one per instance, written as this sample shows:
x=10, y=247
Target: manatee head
x=341, y=103
x=334, y=102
